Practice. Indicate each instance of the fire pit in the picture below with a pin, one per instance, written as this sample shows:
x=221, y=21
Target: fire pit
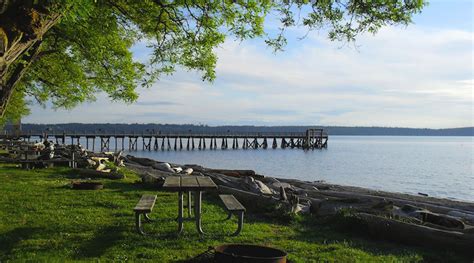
x=249, y=254
x=87, y=185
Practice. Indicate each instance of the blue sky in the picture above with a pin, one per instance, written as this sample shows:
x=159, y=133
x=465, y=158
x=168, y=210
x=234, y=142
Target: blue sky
x=418, y=76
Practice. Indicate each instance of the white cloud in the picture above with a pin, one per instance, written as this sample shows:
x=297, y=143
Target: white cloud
x=416, y=77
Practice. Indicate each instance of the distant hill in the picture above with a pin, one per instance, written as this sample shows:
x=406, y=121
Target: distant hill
x=332, y=130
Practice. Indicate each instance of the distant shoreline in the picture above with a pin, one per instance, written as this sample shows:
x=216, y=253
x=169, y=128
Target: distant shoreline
x=332, y=130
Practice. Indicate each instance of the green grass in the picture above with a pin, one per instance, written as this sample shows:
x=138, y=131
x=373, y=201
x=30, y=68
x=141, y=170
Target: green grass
x=42, y=219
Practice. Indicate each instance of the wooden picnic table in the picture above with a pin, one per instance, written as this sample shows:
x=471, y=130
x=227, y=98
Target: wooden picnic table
x=189, y=184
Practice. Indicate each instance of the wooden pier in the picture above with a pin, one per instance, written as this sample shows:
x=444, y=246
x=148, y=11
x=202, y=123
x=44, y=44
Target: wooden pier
x=311, y=139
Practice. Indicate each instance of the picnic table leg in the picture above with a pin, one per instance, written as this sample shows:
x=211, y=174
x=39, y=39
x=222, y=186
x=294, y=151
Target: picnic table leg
x=138, y=224
x=180, y=212
x=147, y=218
x=240, y=225
x=189, y=204
x=229, y=216
x=197, y=211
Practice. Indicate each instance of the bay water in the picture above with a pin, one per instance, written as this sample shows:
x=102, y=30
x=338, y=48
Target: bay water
x=437, y=166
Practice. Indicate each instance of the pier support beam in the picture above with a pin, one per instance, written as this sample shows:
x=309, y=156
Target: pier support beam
x=104, y=144
x=146, y=145
x=156, y=145
x=133, y=143
x=274, y=144
x=283, y=143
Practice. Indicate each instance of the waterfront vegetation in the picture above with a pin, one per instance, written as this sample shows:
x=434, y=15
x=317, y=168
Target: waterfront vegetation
x=43, y=219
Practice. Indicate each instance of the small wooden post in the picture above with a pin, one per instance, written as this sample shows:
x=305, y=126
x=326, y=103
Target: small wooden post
x=155, y=144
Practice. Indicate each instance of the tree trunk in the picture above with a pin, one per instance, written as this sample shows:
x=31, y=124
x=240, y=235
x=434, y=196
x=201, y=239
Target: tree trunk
x=22, y=26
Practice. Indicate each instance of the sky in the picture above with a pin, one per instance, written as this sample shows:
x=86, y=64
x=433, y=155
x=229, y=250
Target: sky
x=419, y=76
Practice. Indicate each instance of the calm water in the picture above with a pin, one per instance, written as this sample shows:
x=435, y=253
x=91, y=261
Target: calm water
x=438, y=166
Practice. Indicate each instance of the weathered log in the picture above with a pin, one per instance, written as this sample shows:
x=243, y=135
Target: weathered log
x=222, y=180
x=165, y=167
x=397, y=201
x=385, y=228
x=153, y=179
x=142, y=161
x=145, y=170
x=283, y=195
x=95, y=174
x=251, y=200
x=235, y=173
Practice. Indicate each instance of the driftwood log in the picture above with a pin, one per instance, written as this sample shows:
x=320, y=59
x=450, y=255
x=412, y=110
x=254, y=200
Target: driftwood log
x=251, y=200
x=83, y=173
x=386, y=228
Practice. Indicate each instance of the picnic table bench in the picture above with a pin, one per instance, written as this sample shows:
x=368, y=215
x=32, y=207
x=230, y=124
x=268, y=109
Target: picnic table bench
x=144, y=207
x=233, y=206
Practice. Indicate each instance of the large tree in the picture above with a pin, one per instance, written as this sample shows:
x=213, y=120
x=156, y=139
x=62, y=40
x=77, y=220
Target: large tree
x=66, y=51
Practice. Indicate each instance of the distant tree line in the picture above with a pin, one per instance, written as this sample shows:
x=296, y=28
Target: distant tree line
x=184, y=128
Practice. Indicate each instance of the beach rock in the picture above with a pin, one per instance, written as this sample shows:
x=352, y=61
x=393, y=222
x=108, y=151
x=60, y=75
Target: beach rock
x=149, y=178
x=187, y=171
x=195, y=167
x=177, y=169
x=39, y=146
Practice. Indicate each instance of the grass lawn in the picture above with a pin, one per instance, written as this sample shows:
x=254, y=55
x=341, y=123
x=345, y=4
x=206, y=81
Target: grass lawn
x=42, y=219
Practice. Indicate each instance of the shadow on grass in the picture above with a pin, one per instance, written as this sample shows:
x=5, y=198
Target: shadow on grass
x=104, y=239
x=9, y=240
x=128, y=187
x=347, y=229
